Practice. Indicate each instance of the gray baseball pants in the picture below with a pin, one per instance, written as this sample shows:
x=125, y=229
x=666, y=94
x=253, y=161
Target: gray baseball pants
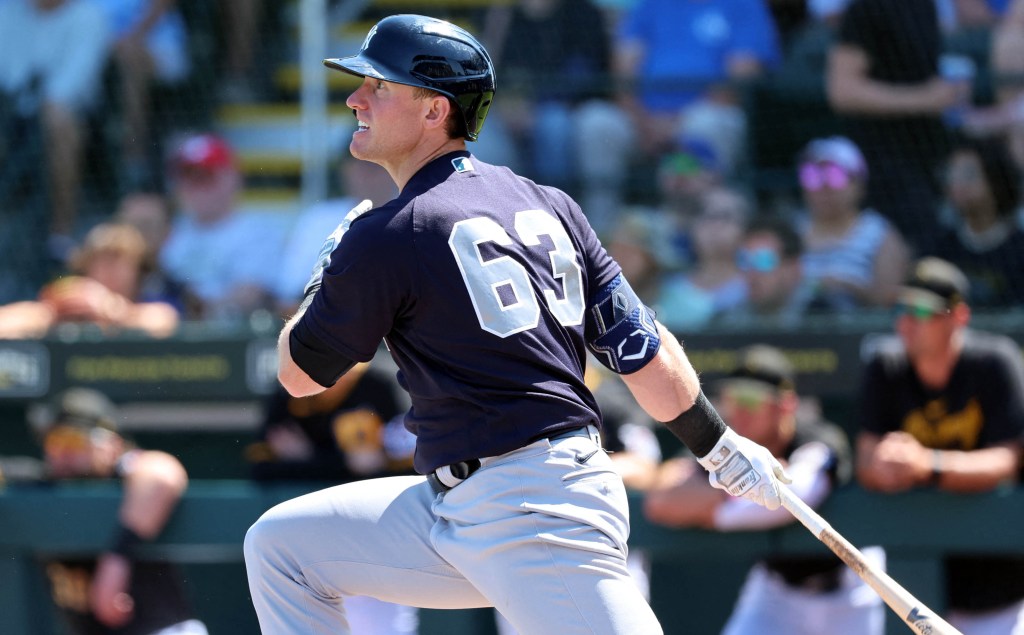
x=538, y=533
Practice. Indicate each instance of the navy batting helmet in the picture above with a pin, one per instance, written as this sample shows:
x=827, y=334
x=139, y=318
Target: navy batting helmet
x=421, y=51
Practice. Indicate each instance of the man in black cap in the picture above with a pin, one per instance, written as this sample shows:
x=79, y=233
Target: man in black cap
x=115, y=592
x=803, y=595
x=943, y=406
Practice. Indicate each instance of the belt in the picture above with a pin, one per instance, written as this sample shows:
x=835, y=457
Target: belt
x=446, y=477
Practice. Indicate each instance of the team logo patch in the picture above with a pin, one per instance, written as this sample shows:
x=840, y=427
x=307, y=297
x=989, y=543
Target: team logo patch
x=462, y=164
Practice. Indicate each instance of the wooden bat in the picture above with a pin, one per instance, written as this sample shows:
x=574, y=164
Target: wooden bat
x=917, y=616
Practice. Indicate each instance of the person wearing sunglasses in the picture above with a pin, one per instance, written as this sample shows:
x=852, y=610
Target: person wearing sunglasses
x=115, y=591
x=782, y=595
x=942, y=406
x=769, y=259
x=854, y=255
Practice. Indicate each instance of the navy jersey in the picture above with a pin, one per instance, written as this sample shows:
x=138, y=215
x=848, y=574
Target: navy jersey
x=477, y=280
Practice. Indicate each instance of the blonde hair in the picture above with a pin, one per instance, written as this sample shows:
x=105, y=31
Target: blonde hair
x=110, y=238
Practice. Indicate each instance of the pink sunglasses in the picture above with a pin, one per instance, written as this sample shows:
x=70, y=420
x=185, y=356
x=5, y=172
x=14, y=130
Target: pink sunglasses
x=815, y=176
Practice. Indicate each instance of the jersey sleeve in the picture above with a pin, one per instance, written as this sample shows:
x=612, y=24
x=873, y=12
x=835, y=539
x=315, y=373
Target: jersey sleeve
x=364, y=290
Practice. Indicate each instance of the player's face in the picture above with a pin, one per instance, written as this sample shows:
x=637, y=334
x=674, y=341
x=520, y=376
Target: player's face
x=388, y=119
x=926, y=332
x=72, y=452
x=752, y=409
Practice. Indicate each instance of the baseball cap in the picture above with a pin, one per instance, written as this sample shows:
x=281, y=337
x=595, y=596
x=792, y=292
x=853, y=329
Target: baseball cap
x=203, y=153
x=762, y=364
x=935, y=285
x=837, y=150
x=83, y=408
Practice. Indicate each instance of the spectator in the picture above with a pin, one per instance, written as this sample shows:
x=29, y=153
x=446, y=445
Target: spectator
x=778, y=293
x=679, y=60
x=51, y=61
x=983, y=188
x=944, y=407
x=714, y=285
x=116, y=592
x=883, y=78
x=104, y=290
x=853, y=256
x=358, y=180
x=782, y=595
x=351, y=431
x=150, y=214
x=224, y=256
x=640, y=243
x=555, y=63
x=150, y=46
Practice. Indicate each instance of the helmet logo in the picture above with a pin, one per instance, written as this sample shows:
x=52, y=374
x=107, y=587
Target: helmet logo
x=369, y=36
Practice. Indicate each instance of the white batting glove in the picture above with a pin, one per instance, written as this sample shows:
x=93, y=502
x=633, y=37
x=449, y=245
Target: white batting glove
x=743, y=468
x=323, y=259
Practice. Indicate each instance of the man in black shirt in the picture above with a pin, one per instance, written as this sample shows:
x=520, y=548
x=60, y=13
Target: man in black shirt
x=943, y=406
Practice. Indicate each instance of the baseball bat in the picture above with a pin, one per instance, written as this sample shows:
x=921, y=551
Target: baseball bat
x=916, y=615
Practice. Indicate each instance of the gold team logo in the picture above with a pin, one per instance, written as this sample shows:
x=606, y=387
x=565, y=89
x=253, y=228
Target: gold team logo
x=934, y=426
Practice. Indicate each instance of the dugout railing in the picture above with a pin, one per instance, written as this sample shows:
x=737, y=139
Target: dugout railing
x=695, y=574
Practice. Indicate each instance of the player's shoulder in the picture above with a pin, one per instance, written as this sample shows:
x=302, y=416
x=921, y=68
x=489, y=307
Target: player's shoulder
x=989, y=346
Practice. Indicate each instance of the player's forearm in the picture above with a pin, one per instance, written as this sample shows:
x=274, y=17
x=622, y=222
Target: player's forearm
x=978, y=470
x=668, y=385
x=153, y=486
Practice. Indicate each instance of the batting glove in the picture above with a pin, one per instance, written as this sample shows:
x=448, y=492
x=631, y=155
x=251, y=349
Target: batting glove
x=743, y=468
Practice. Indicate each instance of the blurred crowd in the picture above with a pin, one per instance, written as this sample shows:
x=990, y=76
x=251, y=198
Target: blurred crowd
x=747, y=162
x=746, y=159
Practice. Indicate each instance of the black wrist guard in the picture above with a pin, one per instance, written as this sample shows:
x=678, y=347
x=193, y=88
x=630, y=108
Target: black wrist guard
x=125, y=541
x=699, y=428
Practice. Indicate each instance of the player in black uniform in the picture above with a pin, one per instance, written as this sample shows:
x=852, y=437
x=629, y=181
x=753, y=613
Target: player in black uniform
x=943, y=406
x=115, y=592
x=488, y=289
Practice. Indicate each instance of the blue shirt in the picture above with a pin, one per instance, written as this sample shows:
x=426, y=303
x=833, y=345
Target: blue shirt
x=477, y=280
x=687, y=45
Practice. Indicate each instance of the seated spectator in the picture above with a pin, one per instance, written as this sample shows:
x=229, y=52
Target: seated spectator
x=150, y=214
x=983, y=188
x=778, y=293
x=853, y=256
x=150, y=46
x=714, y=285
x=227, y=258
x=52, y=54
x=351, y=431
x=116, y=591
x=808, y=595
x=942, y=406
x=104, y=291
x=358, y=180
x=641, y=243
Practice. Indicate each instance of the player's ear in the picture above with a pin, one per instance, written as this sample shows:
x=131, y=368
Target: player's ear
x=438, y=111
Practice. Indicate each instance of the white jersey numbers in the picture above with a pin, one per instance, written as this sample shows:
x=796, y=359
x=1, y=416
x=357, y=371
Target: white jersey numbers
x=500, y=288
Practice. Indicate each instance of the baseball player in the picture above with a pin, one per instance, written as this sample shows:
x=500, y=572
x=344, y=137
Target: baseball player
x=488, y=289
x=116, y=592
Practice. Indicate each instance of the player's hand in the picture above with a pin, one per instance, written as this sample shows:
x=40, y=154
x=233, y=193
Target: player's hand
x=323, y=259
x=743, y=468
